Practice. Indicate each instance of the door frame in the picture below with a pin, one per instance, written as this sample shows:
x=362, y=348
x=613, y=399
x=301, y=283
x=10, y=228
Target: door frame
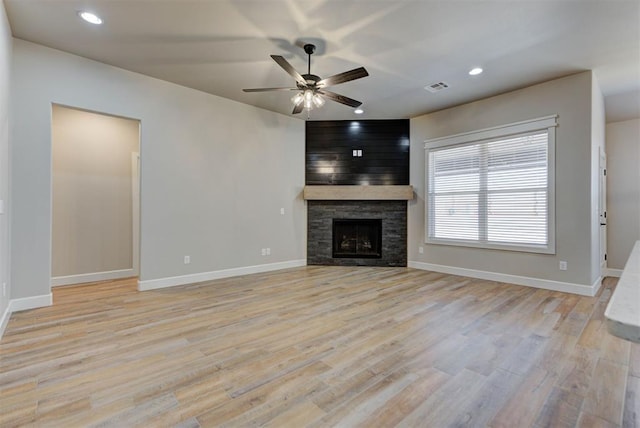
x=135, y=260
x=602, y=209
x=135, y=208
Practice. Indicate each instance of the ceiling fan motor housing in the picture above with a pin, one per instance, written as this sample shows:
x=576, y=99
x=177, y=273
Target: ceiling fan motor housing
x=311, y=80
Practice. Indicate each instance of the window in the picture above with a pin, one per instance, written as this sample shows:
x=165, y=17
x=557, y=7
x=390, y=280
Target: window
x=493, y=188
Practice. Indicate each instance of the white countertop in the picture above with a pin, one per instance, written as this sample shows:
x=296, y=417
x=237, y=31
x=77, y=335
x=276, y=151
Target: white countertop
x=623, y=311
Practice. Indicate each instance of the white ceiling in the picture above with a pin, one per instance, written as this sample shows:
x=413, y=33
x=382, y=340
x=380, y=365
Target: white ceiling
x=222, y=46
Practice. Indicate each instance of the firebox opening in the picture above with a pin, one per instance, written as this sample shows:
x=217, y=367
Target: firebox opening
x=359, y=238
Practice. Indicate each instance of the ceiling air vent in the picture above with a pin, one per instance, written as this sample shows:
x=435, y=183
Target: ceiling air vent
x=436, y=87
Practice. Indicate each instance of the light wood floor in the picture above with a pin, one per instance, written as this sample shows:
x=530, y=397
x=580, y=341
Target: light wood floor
x=319, y=346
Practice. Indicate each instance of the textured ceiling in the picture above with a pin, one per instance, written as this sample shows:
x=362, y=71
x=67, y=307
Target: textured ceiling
x=222, y=46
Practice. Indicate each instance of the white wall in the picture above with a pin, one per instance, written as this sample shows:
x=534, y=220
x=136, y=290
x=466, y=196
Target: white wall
x=570, y=98
x=214, y=173
x=92, y=192
x=623, y=190
x=5, y=68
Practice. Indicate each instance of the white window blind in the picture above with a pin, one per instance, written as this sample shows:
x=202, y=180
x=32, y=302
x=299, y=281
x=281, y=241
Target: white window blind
x=493, y=188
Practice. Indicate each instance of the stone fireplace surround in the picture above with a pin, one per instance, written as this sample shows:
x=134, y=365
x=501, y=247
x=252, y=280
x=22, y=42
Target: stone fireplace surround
x=320, y=215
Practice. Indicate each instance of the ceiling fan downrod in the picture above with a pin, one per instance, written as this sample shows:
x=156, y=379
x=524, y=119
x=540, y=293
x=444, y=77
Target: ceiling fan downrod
x=309, y=49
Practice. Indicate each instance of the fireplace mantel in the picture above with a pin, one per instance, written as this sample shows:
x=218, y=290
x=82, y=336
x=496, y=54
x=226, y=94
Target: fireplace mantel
x=358, y=193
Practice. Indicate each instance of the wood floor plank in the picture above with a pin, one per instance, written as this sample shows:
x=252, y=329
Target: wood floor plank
x=297, y=416
x=634, y=360
x=266, y=402
x=577, y=375
x=406, y=400
x=631, y=414
x=488, y=358
x=605, y=398
x=318, y=346
x=524, y=405
x=561, y=409
x=588, y=420
x=456, y=393
x=357, y=411
x=495, y=391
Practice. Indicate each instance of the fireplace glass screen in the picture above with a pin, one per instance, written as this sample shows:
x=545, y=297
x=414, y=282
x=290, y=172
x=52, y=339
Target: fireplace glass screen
x=357, y=238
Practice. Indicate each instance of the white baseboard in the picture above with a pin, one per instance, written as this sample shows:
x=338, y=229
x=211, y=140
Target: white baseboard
x=596, y=286
x=5, y=318
x=16, y=305
x=567, y=287
x=153, y=284
x=57, y=281
x=612, y=272
x=32, y=302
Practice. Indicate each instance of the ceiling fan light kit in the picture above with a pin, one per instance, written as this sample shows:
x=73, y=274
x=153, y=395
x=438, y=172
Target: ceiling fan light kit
x=311, y=88
x=308, y=99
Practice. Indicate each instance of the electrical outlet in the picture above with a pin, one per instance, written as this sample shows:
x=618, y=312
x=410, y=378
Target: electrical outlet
x=268, y=251
x=562, y=265
x=187, y=260
x=281, y=211
x=4, y=289
x=421, y=250
x=264, y=251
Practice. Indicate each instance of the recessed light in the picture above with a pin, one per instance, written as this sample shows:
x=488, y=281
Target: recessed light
x=475, y=71
x=90, y=17
x=358, y=111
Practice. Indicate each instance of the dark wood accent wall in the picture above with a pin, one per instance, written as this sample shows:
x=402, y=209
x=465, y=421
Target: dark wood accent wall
x=384, y=145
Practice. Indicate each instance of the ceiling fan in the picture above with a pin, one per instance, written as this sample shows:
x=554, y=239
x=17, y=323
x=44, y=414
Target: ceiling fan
x=311, y=88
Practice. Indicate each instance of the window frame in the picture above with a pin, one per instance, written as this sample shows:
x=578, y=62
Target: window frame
x=548, y=124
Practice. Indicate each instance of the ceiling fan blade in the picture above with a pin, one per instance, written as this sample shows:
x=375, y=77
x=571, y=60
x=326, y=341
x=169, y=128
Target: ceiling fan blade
x=289, y=69
x=340, y=98
x=297, y=108
x=270, y=89
x=356, y=73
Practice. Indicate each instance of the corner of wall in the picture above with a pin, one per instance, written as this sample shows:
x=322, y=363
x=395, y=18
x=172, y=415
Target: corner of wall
x=597, y=149
x=6, y=61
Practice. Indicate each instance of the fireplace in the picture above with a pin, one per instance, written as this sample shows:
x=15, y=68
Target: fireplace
x=389, y=234
x=357, y=238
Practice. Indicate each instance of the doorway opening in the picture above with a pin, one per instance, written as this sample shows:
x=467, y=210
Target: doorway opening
x=95, y=196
